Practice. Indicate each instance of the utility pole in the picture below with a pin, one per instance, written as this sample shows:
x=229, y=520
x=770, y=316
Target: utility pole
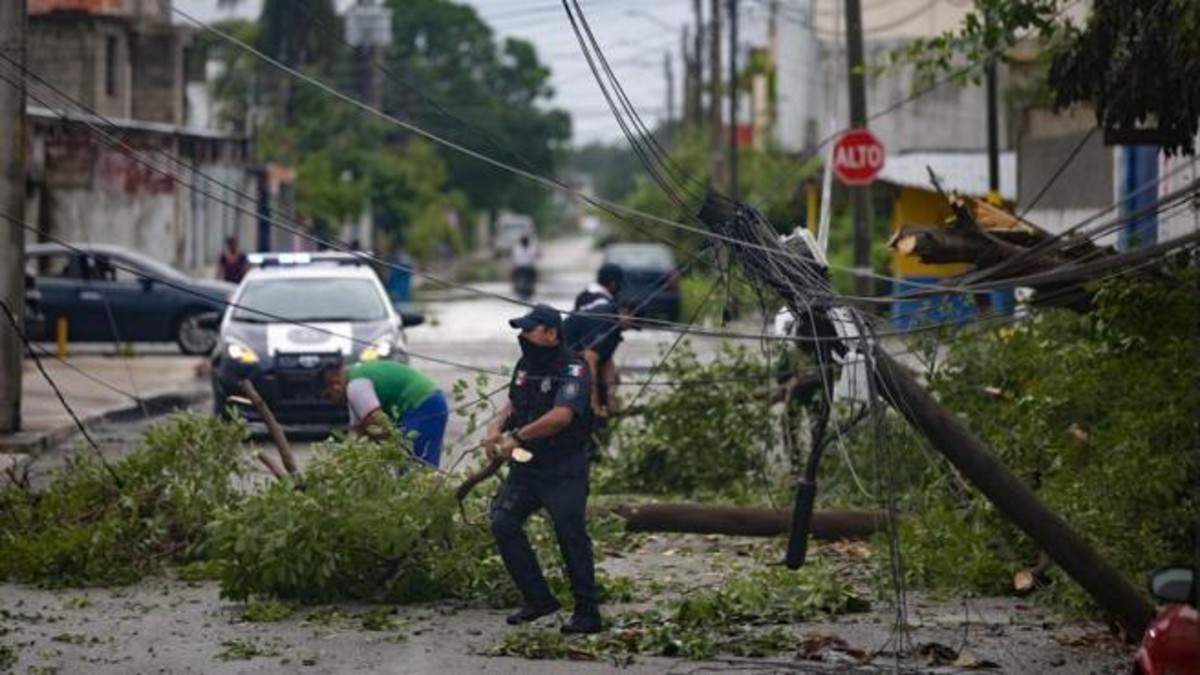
x=993, y=125
x=698, y=62
x=993, y=133
x=733, y=99
x=12, y=208
x=670, y=73
x=714, y=87
x=860, y=196
x=689, y=85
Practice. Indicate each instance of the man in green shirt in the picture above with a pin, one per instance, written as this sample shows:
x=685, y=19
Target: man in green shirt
x=383, y=394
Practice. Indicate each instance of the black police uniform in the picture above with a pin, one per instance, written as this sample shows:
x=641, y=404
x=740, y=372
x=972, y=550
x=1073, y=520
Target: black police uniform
x=555, y=479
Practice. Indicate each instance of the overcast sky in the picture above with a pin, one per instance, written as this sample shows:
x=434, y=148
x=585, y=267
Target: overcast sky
x=633, y=33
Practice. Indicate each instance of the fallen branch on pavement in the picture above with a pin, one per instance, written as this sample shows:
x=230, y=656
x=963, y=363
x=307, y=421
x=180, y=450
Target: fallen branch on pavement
x=278, y=437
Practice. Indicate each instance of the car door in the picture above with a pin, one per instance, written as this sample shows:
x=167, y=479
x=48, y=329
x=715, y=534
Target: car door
x=60, y=278
x=127, y=304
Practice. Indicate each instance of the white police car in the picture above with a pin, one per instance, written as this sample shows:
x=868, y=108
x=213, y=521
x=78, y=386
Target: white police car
x=293, y=316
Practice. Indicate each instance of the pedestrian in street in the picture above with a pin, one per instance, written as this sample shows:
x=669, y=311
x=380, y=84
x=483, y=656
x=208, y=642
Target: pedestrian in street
x=384, y=395
x=232, y=265
x=547, y=414
x=594, y=330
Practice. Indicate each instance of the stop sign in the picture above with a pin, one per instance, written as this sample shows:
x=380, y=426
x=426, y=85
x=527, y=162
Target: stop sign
x=858, y=157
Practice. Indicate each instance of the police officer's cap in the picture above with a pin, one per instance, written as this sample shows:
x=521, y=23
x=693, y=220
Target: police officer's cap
x=611, y=274
x=540, y=315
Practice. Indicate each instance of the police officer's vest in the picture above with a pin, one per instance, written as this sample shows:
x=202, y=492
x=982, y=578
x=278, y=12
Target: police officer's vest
x=533, y=392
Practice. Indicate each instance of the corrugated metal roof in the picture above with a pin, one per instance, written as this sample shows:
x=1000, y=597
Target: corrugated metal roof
x=134, y=125
x=964, y=171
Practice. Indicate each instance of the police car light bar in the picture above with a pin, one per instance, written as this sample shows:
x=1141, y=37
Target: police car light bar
x=283, y=259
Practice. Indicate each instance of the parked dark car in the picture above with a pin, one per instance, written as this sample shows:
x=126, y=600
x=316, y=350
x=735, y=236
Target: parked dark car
x=651, y=278
x=35, y=321
x=112, y=294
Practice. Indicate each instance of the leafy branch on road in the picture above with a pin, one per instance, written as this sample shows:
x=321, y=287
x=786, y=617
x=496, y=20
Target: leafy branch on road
x=84, y=529
x=745, y=616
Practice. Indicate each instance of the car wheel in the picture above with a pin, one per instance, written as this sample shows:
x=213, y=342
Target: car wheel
x=191, y=338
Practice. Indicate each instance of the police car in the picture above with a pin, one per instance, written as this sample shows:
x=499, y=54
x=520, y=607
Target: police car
x=293, y=316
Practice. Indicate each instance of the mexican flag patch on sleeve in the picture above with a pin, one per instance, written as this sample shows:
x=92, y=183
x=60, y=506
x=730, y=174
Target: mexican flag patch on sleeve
x=576, y=370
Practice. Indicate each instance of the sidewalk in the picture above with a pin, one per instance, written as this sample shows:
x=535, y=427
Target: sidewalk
x=98, y=388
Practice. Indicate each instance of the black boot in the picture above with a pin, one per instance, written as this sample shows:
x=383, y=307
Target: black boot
x=583, y=624
x=529, y=613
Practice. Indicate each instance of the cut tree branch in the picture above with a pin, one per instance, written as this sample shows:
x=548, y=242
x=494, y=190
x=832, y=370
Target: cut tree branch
x=276, y=432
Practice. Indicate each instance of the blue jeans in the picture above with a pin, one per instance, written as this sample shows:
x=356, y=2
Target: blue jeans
x=428, y=422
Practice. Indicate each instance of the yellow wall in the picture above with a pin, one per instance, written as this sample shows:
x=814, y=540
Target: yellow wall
x=920, y=207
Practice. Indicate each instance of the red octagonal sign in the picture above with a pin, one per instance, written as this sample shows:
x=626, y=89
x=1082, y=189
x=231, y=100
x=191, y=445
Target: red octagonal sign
x=858, y=157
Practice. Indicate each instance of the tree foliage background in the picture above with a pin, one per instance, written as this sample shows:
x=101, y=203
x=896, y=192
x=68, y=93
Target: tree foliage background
x=445, y=72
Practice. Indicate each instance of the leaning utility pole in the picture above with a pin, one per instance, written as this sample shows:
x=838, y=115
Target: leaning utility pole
x=969, y=455
x=1011, y=497
x=12, y=210
x=860, y=196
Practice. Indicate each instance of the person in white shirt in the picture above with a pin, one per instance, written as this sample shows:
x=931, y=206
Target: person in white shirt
x=525, y=255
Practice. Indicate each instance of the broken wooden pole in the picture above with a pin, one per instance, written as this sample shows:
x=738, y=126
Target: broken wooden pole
x=979, y=465
x=744, y=521
x=276, y=432
x=270, y=464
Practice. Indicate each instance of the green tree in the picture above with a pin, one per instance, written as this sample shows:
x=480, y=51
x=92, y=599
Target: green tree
x=443, y=58
x=447, y=60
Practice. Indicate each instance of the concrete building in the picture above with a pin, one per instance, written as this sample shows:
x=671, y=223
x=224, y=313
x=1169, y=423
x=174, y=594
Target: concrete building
x=1070, y=179
x=112, y=158
x=811, y=87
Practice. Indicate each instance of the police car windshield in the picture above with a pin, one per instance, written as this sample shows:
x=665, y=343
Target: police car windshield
x=310, y=300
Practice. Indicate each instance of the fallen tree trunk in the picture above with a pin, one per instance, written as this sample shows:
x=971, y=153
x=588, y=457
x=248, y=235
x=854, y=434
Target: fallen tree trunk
x=935, y=244
x=742, y=521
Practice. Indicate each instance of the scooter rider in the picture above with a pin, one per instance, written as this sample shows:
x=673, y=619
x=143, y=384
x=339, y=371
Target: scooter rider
x=548, y=413
x=525, y=255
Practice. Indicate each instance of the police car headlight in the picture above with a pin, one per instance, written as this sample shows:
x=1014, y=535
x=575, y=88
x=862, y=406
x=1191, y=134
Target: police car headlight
x=380, y=349
x=240, y=352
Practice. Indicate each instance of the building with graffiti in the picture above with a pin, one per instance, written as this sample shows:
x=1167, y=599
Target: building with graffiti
x=114, y=153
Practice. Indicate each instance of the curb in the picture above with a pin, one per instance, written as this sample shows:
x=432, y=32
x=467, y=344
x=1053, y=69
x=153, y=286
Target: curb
x=36, y=442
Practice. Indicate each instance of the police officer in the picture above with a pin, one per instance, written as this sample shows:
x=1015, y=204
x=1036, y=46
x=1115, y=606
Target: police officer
x=594, y=331
x=548, y=414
